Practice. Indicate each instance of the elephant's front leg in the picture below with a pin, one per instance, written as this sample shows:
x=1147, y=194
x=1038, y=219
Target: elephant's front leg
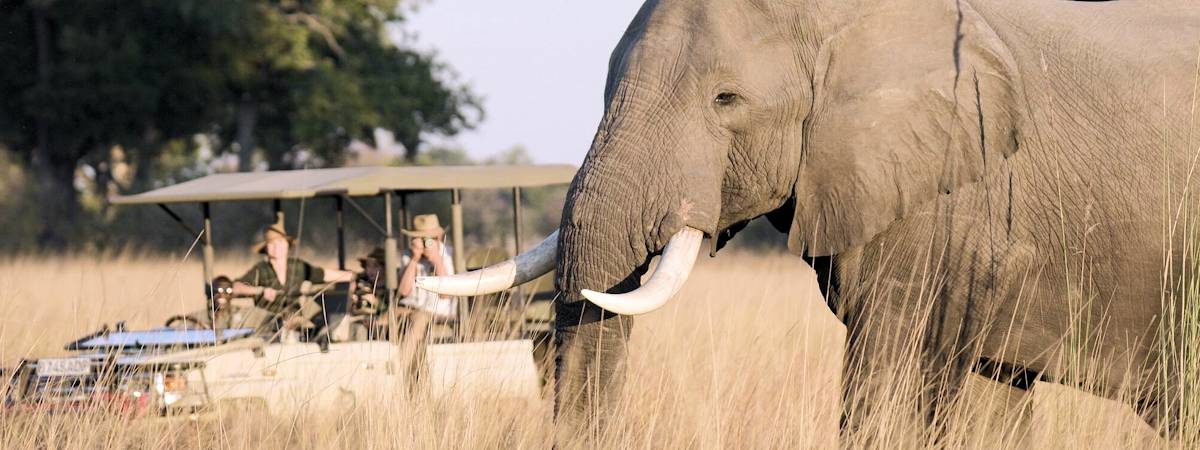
x=589, y=370
x=895, y=377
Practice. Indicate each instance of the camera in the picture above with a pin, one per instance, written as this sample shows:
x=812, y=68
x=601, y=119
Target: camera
x=362, y=288
x=363, y=307
x=428, y=242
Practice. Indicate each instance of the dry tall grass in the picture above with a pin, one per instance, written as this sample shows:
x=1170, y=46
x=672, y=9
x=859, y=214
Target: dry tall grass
x=748, y=357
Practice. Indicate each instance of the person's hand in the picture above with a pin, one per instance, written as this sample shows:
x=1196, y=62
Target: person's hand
x=434, y=253
x=417, y=247
x=369, y=299
x=269, y=294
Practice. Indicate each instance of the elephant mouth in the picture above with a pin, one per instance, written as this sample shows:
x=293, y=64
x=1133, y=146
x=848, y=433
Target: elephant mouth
x=678, y=257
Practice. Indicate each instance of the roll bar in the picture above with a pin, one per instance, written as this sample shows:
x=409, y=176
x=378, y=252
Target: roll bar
x=392, y=220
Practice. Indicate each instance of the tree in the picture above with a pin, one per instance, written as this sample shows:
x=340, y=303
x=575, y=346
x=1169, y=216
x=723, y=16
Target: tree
x=300, y=77
x=80, y=77
x=313, y=76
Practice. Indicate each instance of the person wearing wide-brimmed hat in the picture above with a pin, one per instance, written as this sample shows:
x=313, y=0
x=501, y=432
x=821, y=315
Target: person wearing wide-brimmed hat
x=275, y=281
x=427, y=254
x=372, y=279
x=370, y=298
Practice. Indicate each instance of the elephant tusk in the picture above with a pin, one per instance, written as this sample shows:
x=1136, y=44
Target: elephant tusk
x=673, y=269
x=495, y=278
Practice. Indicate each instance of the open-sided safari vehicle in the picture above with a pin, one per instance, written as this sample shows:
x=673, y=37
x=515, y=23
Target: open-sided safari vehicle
x=184, y=367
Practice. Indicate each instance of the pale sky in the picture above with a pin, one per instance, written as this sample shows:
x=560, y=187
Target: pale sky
x=539, y=64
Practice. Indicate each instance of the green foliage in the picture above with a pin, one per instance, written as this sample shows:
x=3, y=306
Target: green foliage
x=315, y=75
x=117, y=72
x=292, y=81
x=441, y=156
x=18, y=223
x=487, y=213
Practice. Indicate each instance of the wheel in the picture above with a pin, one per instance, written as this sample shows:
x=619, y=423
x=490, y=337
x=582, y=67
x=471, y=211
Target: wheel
x=185, y=322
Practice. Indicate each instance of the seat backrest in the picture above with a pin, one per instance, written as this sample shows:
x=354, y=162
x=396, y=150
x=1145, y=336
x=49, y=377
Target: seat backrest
x=335, y=304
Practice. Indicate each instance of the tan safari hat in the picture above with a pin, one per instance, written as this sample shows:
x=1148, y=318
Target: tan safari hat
x=377, y=254
x=273, y=231
x=425, y=225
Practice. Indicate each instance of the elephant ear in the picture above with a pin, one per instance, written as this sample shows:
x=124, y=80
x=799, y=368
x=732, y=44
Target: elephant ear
x=909, y=102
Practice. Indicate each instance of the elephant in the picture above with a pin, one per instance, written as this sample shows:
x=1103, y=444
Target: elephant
x=982, y=176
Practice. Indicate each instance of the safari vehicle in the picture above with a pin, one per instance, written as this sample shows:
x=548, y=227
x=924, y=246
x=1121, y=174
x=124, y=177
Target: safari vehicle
x=183, y=367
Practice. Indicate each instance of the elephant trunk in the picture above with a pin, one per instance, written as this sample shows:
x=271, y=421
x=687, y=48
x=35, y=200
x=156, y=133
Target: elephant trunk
x=590, y=342
x=642, y=183
x=629, y=201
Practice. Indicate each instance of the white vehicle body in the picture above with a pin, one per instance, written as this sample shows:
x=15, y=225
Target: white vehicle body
x=284, y=378
x=193, y=369
x=289, y=377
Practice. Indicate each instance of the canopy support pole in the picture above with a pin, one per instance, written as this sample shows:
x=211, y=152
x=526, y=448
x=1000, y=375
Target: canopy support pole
x=403, y=217
x=391, y=261
x=389, y=246
x=178, y=220
x=460, y=259
x=209, y=253
x=456, y=228
x=363, y=213
x=341, y=232
x=518, y=293
x=516, y=203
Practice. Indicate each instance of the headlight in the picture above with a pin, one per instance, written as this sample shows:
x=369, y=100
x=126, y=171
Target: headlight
x=170, y=387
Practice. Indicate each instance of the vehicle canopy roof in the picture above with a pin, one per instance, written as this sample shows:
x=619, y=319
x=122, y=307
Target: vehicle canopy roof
x=342, y=183
x=349, y=181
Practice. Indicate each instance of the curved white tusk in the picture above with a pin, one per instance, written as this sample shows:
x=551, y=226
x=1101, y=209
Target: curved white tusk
x=673, y=269
x=498, y=277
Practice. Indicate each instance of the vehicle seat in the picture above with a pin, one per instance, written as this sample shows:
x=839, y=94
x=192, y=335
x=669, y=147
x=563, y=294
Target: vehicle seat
x=335, y=308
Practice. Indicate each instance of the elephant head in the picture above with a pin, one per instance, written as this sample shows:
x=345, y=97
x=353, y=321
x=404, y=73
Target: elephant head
x=833, y=118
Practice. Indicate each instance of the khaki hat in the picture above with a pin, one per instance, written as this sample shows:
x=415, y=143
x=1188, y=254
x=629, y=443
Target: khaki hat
x=425, y=225
x=377, y=255
x=273, y=231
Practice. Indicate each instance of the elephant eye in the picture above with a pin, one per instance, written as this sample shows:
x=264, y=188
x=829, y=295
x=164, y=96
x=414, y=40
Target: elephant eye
x=725, y=99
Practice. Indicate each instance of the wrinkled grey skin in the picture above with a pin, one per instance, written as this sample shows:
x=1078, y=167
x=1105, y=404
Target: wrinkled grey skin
x=1002, y=160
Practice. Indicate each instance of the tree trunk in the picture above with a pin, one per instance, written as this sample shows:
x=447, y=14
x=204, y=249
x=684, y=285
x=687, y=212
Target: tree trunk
x=53, y=168
x=42, y=35
x=275, y=155
x=410, y=142
x=247, y=119
x=57, y=200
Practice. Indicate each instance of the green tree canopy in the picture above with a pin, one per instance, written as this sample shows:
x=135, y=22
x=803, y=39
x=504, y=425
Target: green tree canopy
x=80, y=77
x=312, y=76
x=296, y=80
